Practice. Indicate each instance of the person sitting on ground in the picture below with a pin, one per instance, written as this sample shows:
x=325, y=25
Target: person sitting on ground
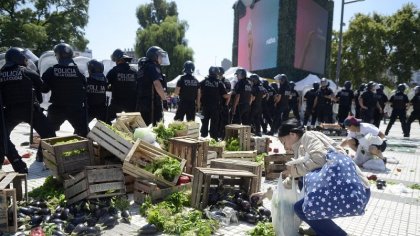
x=358, y=131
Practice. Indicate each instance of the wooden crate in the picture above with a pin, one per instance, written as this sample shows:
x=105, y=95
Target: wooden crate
x=59, y=164
x=144, y=188
x=253, y=167
x=260, y=144
x=13, y=180
x=141, y=155
x=242, y=155
x=205, y=178
x=101, y=156
x=192, y=150
x=8, y=211
x=128, y=122
x=129, y=183
x=211, y=155
x=218, y=150
x=274, y=164
x=192, y=131
x=109, y=140
x=242, y=132
x=95, y=182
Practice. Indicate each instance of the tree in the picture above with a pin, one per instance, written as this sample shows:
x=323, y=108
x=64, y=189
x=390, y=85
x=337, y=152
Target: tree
x=40, y=24
x=160, y=26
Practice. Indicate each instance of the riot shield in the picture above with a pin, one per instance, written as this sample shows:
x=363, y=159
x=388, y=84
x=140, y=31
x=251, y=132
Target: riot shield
x=108, y=65
x=81, y=63
x=46, y=60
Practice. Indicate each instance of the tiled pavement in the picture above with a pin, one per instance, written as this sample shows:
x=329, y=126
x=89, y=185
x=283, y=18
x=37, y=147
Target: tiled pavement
x=389, y=211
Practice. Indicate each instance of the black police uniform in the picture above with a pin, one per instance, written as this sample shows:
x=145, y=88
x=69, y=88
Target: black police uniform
x=123, y=80
x=281, y=108
x=225, y=110
x=370, y=102
x=346, y=97
x=16, y=84
x=189, y=86
x=310, y=110
x=149, y=101
x=242, y=113
x=293, y=104
x=324, y=105
x=415, y=114
x=96, y=96
x=68, y=97
x=258, y=91
x=212, y=91
x=357, y=104
x=382, y=100
x=399, y=105
x=267, y=107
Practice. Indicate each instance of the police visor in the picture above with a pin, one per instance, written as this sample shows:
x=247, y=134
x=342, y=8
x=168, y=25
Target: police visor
x=164, y=58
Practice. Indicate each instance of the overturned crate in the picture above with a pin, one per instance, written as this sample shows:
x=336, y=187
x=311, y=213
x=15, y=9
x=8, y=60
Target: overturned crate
x=193, y=151
x=95, y=182
x=206, y=178
x=192, y=130
x=143, y=154
x=274, y=164
x=260, y=144
x=144, y=189
x=240, y=155
x=253, y=167
x=218, y=149
x=128, y=122
x=11, y=191
x=106, y=137
x=67, y=155
x=242, y=132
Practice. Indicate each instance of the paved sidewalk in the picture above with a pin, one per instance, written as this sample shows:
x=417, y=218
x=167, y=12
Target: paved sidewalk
x=389, y=211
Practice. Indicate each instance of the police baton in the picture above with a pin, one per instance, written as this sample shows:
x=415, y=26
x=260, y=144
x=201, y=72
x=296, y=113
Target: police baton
x=3, y=126
x=31, y=128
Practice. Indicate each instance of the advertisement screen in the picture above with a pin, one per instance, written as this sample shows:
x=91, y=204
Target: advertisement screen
x=258, y=35
x=311, y=36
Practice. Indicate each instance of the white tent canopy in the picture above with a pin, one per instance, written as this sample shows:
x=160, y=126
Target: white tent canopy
x=172, y=83
x=307, y=83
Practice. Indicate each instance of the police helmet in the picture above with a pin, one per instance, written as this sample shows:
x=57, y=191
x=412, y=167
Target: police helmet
x=381, y=87
x=95, y=66
x=324, y=82
x=347, y=84
x=265, y=83
x=118, y=54
x=255, y=79
x=141, y=62
x=221, y=71
x=281, y=77
x=188, y=67
x=14, y=56
x=401, y=88
x=292, y=84
x=275, y=86
x=371, y=85
x=63, y=51
x=241, y=72
x=362, y=86
x=315, y=85
x=213, y=71
x=417, y=89
x=154, y=52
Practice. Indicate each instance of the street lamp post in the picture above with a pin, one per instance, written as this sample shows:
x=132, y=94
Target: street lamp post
x=340, y=39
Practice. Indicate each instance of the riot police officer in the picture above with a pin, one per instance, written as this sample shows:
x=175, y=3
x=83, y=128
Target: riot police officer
x=294, y=102
x=267, y=107
x=187, y=88
x=368, y=103
x=399, y=102
x=225, y=106
x=212, y=95
x=382, y=100
x=323, y=102
x=151, y=85
x=310, y=110
x=68, y=92
x=415, y=114
x=241, y=105
x=96, y=91
x=356, y=99
x=257, y=95
x=19, y=104
x=123, y=82
x=345, y=99
x=281, y=102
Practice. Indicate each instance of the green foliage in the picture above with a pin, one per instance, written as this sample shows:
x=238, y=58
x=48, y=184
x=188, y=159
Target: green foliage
x=415, y=186
x=121, y=203
x=177, y=126
x=165, y=167
x=163, y=135
x=119, y=133
x=75, y=152
x=165, y=30
x=262, y=229
x=52, y=191
x=232, y=144
x=260, y=158
x=214, y=143
x=41, y=24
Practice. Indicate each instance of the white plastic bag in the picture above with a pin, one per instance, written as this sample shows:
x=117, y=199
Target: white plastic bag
x=145, y=134
x=374, y=164
x=284, y=219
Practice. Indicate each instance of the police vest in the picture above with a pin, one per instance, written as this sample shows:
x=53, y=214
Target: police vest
x=16, y=86
x=96, y=90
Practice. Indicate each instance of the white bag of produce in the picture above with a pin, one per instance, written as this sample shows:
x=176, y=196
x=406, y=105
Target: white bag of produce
x=145, y=134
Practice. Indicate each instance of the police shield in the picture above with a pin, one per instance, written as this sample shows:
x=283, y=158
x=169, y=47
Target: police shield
x=108, y=65
x=46, y=61
x=81, y=63
x=2, y=60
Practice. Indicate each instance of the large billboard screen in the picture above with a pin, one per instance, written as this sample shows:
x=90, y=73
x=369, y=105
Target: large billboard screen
x=258, y=35
x=311, y=36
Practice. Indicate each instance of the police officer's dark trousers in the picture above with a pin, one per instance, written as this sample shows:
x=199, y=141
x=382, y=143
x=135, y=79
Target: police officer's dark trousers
x=212, y=116
x=147, y=108
x=242, y=114
x=256, y=116
x=119, y=106
x=367, y=114
x=97, y=111
x=415, y=115
x=279, y=115
x=401, y=114
x=343, y=112
x=223, y=120
x=377, y=117
x=75, y=114
x=295, y=110
x=266, y=118
x=310, y=113
x=325, y=113
x=185, y=108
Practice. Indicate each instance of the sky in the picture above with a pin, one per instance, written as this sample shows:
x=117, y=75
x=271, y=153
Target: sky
x=113, y=24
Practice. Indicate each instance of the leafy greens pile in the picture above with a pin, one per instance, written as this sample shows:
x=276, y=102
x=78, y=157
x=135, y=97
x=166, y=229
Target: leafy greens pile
x=262, y=229
x=214, y=143
x=232, y=144
x=165, y=167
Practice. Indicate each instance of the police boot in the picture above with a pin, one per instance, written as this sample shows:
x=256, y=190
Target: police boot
x=39, y=155
x=19, y=166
